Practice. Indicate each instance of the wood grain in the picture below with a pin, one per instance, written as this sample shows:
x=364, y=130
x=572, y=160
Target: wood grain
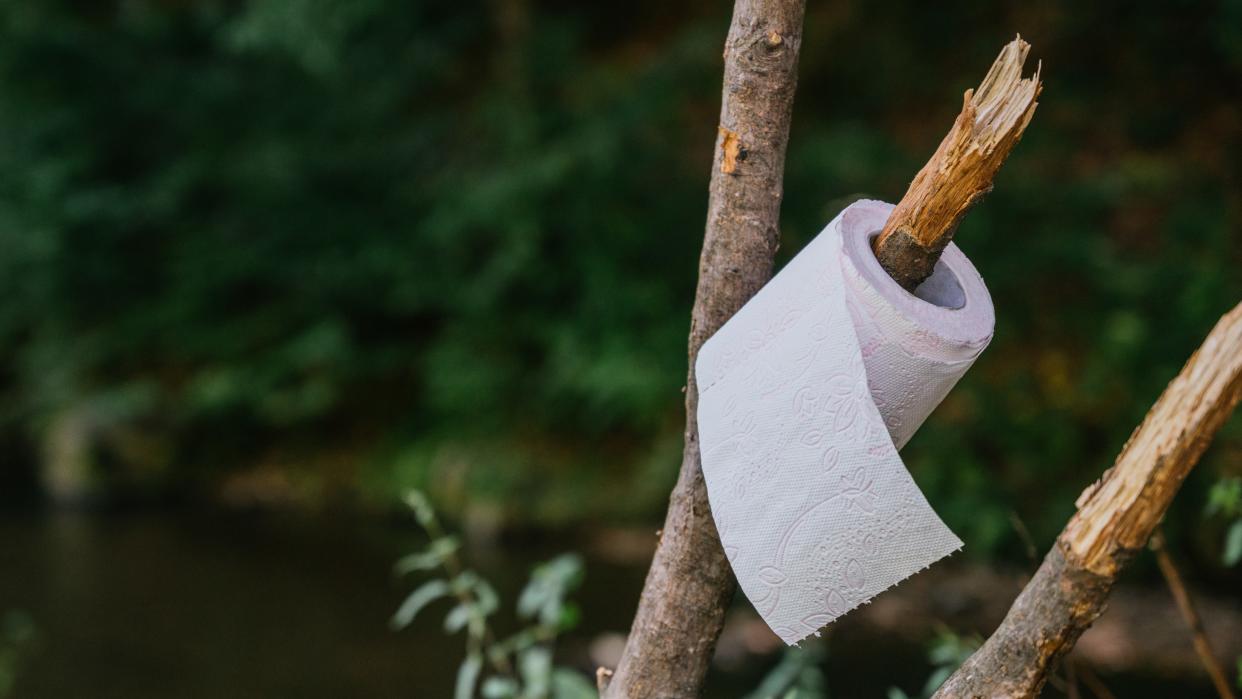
x=960, y=173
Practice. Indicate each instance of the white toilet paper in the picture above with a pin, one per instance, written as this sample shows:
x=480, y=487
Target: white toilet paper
x=805, y=396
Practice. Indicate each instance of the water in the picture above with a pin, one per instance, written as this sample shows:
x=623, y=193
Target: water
x=203, y=605
x=161, y=604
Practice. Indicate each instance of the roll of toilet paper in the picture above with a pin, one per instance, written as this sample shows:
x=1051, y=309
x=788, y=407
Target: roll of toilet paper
x=805, y=396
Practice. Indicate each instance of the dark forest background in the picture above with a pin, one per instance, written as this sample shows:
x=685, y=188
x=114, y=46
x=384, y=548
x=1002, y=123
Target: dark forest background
x=319, y=251
x=307, y=254
x=299, y=256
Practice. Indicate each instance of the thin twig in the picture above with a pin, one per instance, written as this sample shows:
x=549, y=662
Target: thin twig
x=1071, y=679
x=1028, y=542
x=1094, y=683
x=1191, y=616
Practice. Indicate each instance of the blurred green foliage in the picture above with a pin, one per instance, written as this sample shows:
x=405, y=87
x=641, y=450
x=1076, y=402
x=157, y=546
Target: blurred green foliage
x=457, y=242
x=17, y=632
x=946, y=652
x=799, y=674
x=1225, y=502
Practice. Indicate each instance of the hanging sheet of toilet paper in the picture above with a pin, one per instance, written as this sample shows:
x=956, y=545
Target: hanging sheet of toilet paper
x=805, y=396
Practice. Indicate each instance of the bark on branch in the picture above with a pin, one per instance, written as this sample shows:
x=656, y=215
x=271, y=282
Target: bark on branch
x=688, y=588
x=1115, y=518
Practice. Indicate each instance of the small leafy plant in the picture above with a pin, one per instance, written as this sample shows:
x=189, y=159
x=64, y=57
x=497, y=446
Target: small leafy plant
x=519, y=666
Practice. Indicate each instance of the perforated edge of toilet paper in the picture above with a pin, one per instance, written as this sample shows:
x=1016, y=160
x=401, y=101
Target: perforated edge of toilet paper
x=805, y=396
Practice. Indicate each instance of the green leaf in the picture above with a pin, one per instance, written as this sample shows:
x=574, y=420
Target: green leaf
x=548, y=584
x=500, y=688
x=433, y=557
x=489, y=601
x=570, y=614
x=566, y=570
x=567, y=684
x=456, y=619
x=937, y=678
x=468, y=676
x=1225, y=497
x=419, y=598
x=1233, y=544
x=895, y=693
x=535, y=664
x=785, y=674
x=423, y=560
x=521, y=640
x=550, y=612
x=421, y=506
x=445, y=546
x=532, y=598
x=466, y=582
x=945, y=648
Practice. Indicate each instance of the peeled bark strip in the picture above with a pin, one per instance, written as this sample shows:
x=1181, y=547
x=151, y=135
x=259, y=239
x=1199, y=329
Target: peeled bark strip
x=688, y=588
x=961, y=171
x=1115, y=518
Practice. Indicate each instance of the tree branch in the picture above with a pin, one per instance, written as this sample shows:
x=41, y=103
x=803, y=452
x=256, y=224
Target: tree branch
x=961, y=171
x=688, y=588
x=1115, y=518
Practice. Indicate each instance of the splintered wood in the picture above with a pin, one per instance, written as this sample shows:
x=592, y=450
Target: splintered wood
x=992, y=119
x=1117, y=515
